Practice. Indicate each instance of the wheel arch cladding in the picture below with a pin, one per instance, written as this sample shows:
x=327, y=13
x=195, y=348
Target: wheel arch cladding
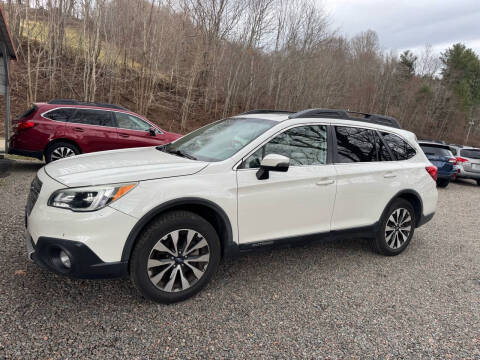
x=413, y=198
x=210, y=211
x=60, y=140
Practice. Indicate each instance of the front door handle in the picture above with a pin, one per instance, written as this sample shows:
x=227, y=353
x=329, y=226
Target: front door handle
x=389, y=176
x=123, y=135
x=78, y=129
x=325, y=182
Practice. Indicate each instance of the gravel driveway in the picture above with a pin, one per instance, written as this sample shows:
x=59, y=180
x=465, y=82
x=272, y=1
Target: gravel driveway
x=326, y=300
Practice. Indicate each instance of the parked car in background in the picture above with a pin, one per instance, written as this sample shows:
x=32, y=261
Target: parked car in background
x=441, y=156
x=63, y=128
x=168, y=214
x=468, y=161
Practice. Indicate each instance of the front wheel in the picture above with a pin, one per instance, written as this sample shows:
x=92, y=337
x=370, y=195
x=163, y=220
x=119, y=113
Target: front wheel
x=175, y=257
x=396, y=228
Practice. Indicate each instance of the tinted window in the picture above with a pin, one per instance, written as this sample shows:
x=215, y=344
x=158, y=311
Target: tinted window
x=435, y=151
x=399, y=147
x=454, y=151
x=59, y=114
x=470, y=153
x=303, y=145
x=93, y=117
x=382, y=151
x=355, y=144
x=126, y=121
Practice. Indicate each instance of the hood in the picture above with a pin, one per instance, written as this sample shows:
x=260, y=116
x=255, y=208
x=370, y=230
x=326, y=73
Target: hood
x=118, y=166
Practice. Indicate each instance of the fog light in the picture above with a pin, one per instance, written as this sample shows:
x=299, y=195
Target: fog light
x=65, y=259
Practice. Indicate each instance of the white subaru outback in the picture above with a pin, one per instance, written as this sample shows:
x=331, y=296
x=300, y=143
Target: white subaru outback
x=165, y=216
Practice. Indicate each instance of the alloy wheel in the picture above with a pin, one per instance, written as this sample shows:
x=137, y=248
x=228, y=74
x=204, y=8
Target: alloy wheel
x=62, y=152
x=398, y=228
x=178, y=260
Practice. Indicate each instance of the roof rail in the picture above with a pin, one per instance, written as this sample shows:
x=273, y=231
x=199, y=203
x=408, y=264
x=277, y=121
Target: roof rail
x=266, y=111
x=84, y=103
x=320, y=113
x=344, y=114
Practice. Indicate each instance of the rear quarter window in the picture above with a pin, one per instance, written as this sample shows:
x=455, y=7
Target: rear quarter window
x=63, y=114
x=399, y=147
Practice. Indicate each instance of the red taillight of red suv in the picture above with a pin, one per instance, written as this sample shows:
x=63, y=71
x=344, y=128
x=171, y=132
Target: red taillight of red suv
x=433, y=171
x=461, y=159
x=25, y=125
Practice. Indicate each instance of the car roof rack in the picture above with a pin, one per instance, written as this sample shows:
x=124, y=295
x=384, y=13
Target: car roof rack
x=84, y=103
x=266, y=111
x=344, y=114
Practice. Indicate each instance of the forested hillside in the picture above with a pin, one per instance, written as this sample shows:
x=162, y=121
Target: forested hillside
x=184, y=63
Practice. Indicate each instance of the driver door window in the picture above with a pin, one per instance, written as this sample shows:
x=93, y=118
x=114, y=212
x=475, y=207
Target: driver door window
x=303, y=145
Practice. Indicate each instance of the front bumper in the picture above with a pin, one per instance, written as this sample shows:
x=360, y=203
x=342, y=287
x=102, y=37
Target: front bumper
x=85, y=264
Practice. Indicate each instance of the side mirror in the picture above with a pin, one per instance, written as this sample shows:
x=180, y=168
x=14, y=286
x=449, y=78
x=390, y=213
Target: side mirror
x=272, y=162
x=152, y=131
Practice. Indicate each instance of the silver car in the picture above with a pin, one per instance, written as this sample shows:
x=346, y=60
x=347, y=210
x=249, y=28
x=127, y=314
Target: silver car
x=468, y=161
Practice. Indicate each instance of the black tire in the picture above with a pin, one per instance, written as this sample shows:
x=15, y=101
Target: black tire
x=55, y=148
x=160, y=228
x=381, y=240
x=443, y=183
x=478, y=182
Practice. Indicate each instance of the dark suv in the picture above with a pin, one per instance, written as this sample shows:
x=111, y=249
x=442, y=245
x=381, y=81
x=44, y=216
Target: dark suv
x=63, y=128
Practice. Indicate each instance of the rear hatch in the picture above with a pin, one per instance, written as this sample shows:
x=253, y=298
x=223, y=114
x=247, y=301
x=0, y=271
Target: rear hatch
x=440, y=156
x=473, y=159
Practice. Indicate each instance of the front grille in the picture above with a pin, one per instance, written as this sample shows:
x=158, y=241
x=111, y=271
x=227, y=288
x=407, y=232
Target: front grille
x=35, y=188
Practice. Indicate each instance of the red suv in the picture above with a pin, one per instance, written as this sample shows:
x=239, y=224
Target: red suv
x=62, y=128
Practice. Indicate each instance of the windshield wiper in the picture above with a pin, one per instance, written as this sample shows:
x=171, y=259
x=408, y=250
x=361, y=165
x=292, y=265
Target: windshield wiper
x=177, y=152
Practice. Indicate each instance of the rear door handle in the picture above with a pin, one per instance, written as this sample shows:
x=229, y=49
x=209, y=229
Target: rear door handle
x=325, y=182
x=123, y=135
x=78, y=129
x=390, y=175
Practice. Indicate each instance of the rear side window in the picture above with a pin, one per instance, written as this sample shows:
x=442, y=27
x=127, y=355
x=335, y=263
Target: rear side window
x=470, y=153
x=435, y=151
x=399, y=147
x=355, y=145
x=93, y=117
x=60, y=114
x=454, y=151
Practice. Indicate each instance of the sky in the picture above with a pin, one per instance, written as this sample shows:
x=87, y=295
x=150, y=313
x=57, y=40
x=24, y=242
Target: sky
x=409, y=24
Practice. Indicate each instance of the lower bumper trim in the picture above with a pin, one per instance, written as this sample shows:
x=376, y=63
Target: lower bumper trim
x=85, y=264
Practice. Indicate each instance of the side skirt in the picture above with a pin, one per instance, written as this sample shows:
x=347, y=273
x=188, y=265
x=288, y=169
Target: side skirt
x=360, y=232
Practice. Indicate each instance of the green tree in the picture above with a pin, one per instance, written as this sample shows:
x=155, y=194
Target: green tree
x=407, y=64
x=461, y=72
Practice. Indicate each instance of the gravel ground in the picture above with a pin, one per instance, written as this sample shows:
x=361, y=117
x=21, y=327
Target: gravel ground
x=326, y=300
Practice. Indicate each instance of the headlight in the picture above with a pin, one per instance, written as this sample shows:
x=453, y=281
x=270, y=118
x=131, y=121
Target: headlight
x=89, y=198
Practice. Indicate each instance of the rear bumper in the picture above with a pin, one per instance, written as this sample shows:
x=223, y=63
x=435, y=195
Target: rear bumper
x=468, y=174
x=85, y=264
x=29, y=153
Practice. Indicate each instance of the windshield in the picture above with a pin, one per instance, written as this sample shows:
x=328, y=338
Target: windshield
x=470, y=153
x=220, y=140
x=436, y=151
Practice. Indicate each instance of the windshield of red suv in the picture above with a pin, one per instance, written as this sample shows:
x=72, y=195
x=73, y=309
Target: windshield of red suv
x=220, y=140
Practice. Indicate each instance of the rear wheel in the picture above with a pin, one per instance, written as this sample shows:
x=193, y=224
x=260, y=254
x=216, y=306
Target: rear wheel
x=396, y=228
x=60, y=150
x=443, y=183
x=175, y=257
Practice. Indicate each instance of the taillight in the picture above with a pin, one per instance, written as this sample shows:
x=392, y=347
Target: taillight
x=461, y=159
x=25, y=125
x=433, y=171
x=452, y=161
